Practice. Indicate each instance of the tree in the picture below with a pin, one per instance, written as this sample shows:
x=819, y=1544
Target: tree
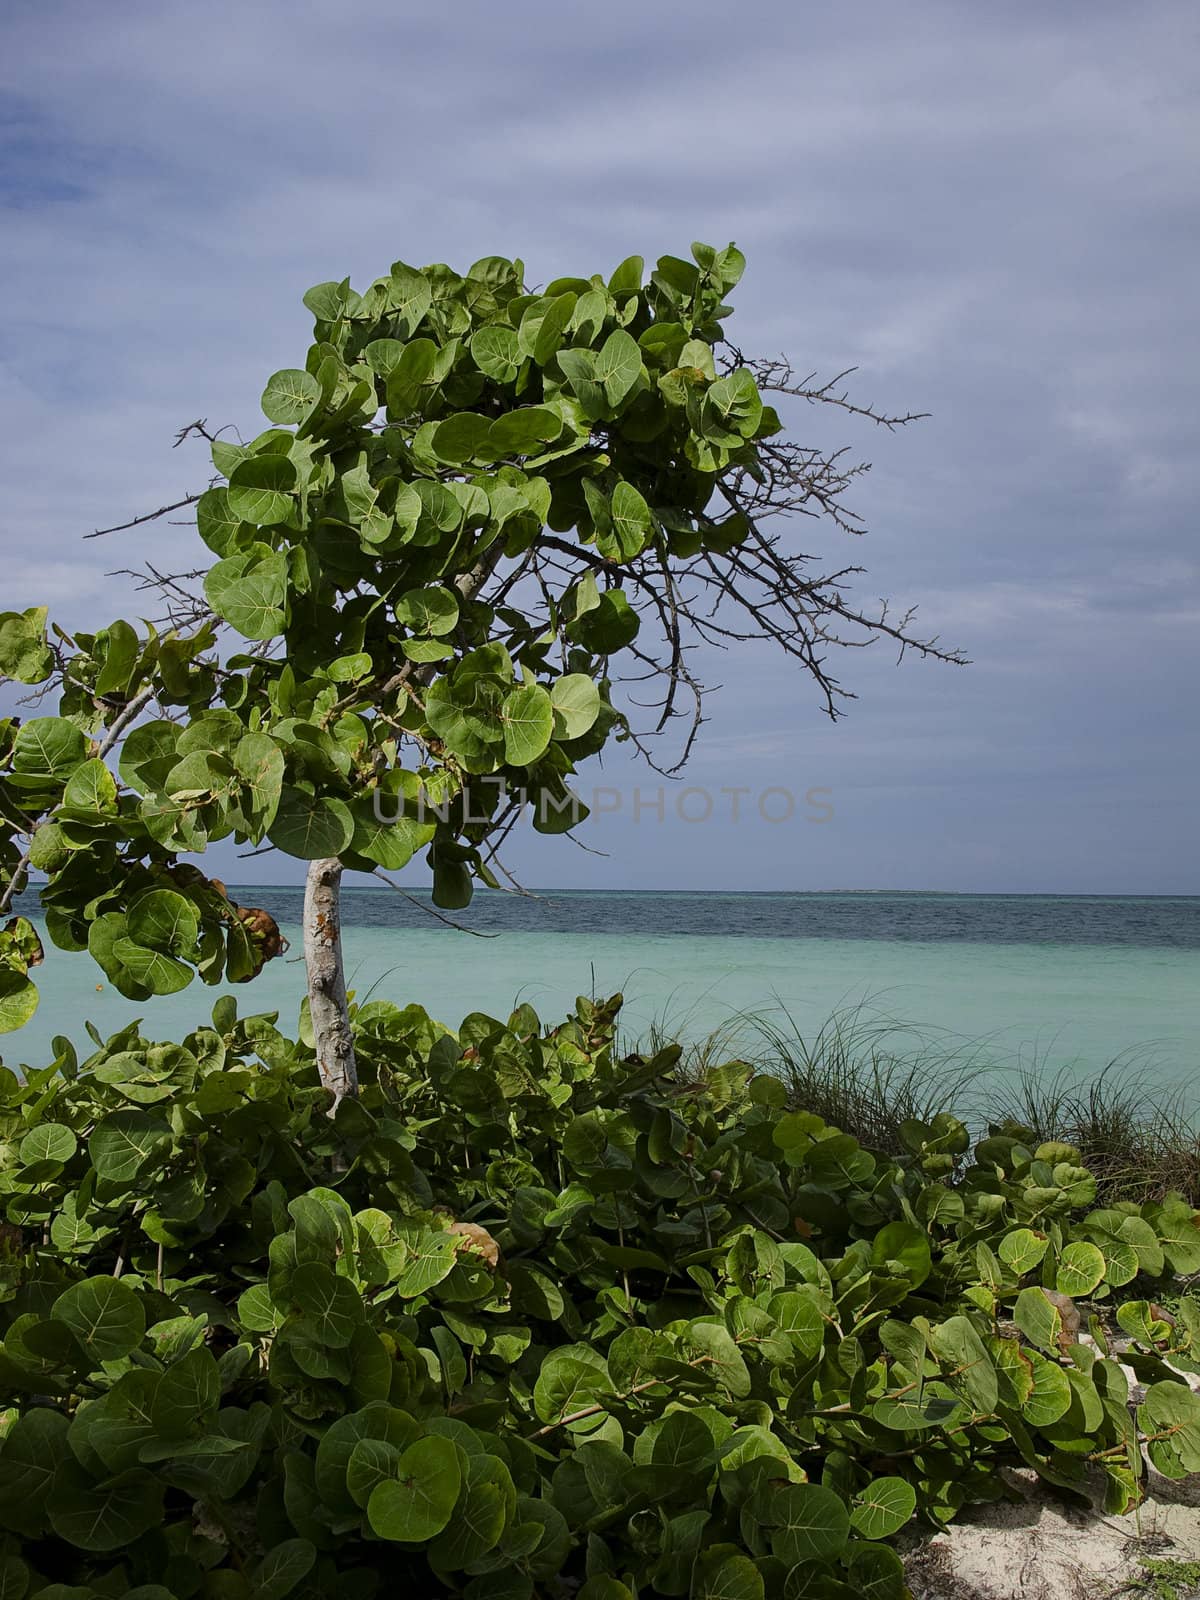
x=478, y=511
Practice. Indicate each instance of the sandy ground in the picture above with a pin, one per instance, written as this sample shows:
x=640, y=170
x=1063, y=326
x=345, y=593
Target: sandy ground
x=1038, y=1549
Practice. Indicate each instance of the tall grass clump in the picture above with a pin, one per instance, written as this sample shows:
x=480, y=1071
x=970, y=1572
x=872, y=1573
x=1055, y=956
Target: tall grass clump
x=870, y=1074
x=1139, y=1144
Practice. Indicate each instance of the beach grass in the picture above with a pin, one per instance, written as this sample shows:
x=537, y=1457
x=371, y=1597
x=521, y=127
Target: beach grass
x=868, y=1075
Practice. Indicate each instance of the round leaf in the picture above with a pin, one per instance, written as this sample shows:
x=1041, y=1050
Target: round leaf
x=1080, y=1269
x=49, y=1141
x=47, y=748
x=420, y=1501
x=250, y=591
x=528, y=719
x=1022, y=1250
x=164, y=920
x=809, y=1523
x=105, y=1516
x=431, y=611
x=154, y=971
x=497, y=353
x=290, y=395
x=124, y=1142
x=576, y=702
x=883, y=1507
x=18, y=999
x=311, y=826
x=24, y=653
x=261, y=490
x=105, y=1316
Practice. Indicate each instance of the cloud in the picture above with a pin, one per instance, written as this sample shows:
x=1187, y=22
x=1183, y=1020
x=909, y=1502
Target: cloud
x=992, y=214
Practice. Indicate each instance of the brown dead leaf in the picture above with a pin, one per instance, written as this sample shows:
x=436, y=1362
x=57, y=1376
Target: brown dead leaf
x=479, y=1242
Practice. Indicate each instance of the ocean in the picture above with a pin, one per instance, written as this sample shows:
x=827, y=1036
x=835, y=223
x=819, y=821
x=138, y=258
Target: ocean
x=1056, y=983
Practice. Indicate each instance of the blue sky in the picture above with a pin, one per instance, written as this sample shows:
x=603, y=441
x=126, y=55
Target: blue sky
x=990, y=211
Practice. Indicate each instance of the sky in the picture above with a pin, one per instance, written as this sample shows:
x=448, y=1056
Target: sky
x=990, y=212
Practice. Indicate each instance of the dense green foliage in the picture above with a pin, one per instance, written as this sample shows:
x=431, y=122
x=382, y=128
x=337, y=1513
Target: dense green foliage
x=391, y=612
x=530, y=1319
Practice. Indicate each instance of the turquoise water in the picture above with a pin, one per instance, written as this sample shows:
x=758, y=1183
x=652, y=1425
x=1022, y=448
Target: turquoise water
x=1060, y=981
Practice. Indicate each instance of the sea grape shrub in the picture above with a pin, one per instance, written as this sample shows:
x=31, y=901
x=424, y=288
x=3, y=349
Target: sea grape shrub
x=530, y=1318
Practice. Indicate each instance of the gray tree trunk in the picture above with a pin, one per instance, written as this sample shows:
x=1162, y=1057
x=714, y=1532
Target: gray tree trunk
x=327, y=981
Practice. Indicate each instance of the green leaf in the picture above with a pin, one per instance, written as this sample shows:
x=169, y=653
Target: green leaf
x=461, y=437
x=1038, y=1318
x=523, y=432
x=251, y=592
x=49, y=1141
x=330, y=1304
x=14, y=1578
x=420, y=1501
x=799, y=1315
x=259, y=763
x=105, y=1316
x=47, y=749
x=496, y=351
x=723, y=1360
x=124, y=1142
x=1080, y=1269
x=311, y=826
x=24, y=653
x=576, y=703
x=1022, y=1250
x=1050, y=1398
x=433, y=1254
x=808, y=1523
x=372, y=1461
x=528, y=718
x=390, y=841
x=1178, y=1229
x=153, y=971
x=907, y=1246
x=282, y=1568
x=632, y=525
x=18, y=999
x=883, y=1507
x=164, y=920
x=875, y=1572
x=379, y=1422
x=732, y=408
x=1170, y=1416
x=627, y=279
x=721, y=1574
x=433, y=610
x=383, y=356
x=618, y=365
x=106, y=1516
x=262, y=490
x=579, y=369
x=290, y=395
x=487, y=1501
x=91, y=787
x=188, y=1392
x=216, y=524
x=32, y=1451
x=572, y=1378
x=329, y=301
x=957, y=1345
x=410, y=296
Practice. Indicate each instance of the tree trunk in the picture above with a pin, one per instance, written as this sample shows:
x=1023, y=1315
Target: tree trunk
x=326, y=980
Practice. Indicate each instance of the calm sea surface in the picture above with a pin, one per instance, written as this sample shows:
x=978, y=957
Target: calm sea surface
x=1060, y=982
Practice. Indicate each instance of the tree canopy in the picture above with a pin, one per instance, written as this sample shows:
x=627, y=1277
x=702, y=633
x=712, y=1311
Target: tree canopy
x=477, y=511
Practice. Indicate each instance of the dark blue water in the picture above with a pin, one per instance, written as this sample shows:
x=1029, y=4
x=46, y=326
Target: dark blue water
x=1166, y=922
